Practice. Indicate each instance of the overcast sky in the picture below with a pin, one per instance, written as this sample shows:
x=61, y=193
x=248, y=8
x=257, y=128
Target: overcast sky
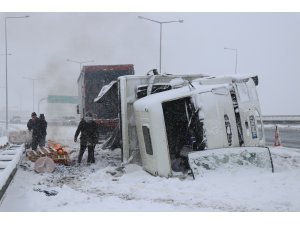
x=268, y=46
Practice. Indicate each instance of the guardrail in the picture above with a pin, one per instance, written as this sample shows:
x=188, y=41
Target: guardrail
x=9, y=160
x=281, y=119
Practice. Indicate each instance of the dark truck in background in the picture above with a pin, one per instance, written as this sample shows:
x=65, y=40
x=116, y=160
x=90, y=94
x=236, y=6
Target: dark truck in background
x=91, y=80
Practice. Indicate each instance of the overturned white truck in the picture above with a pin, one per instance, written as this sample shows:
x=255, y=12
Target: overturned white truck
x=166, y=121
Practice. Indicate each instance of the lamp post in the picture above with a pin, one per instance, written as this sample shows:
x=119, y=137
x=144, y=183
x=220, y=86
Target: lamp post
x=1, y=129
x=236, y=55
x=2, y=87
x=2, y=55
x=42, y=99
x=6, y=80
x=79, y=62
x=160, y=24
x=32, y=79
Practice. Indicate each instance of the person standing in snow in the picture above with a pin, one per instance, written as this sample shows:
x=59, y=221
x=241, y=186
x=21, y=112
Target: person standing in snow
x=34, y=126
x=88, y=138
x=43, y=124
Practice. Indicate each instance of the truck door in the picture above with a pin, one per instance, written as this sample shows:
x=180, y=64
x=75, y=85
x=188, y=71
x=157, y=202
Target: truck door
x=250, y=115
x=152, y=144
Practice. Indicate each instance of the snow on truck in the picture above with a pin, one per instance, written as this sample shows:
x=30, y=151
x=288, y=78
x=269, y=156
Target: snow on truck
x=186, y=123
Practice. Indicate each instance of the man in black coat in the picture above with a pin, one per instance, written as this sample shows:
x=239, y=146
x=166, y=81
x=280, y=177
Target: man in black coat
x=43, y=124
x=34, y=126
x=88, y=138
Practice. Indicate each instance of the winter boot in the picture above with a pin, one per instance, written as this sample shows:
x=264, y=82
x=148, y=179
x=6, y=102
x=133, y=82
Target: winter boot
x=82, y=150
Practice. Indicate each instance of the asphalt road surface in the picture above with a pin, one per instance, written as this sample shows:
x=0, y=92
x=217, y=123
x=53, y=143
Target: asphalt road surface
x=290, y=137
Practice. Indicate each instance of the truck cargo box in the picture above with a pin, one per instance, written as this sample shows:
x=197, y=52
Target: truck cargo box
x=91, y=80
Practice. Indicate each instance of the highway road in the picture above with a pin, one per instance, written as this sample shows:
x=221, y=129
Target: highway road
x=290, y=137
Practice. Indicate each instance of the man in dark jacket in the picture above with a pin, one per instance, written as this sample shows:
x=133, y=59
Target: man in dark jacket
x=88, y=138
x=43, y=124
x=34, y=126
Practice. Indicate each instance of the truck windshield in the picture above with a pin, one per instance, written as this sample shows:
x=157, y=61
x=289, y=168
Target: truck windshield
x=184, y=131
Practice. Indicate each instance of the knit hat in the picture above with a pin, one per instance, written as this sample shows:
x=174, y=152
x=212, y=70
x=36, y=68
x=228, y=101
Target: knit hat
x=88, y=117
x=88, y=114
x=33, y=114
x=42, y=116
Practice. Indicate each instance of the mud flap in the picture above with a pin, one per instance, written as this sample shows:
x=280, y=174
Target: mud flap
x=230, y=159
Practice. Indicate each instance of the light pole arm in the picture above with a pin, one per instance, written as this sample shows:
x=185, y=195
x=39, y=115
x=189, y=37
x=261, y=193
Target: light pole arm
x=160, y=22
x=144, y=18
x=80, y=63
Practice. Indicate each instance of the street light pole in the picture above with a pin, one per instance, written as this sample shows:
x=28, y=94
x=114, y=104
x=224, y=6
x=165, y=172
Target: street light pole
x=160, y=47
x=160, y=39
x=42, y=99
x=32, y=79
x=2, y=87
x=236, y=56
x=79, y=62
x=6, y=80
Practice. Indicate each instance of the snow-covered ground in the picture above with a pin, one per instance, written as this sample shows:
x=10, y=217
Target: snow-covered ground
x=104, y=187
x=107, y=187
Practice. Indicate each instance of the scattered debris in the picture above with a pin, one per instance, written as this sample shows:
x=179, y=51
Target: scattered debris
x=58, y=153
x=47, y=193
x=116, y=171
x=4, y=145
x=44, y=165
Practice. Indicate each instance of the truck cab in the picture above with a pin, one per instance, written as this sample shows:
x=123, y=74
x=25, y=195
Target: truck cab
x=208, y=113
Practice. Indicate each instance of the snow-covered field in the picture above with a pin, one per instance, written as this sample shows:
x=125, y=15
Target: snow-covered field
x=106, y=187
